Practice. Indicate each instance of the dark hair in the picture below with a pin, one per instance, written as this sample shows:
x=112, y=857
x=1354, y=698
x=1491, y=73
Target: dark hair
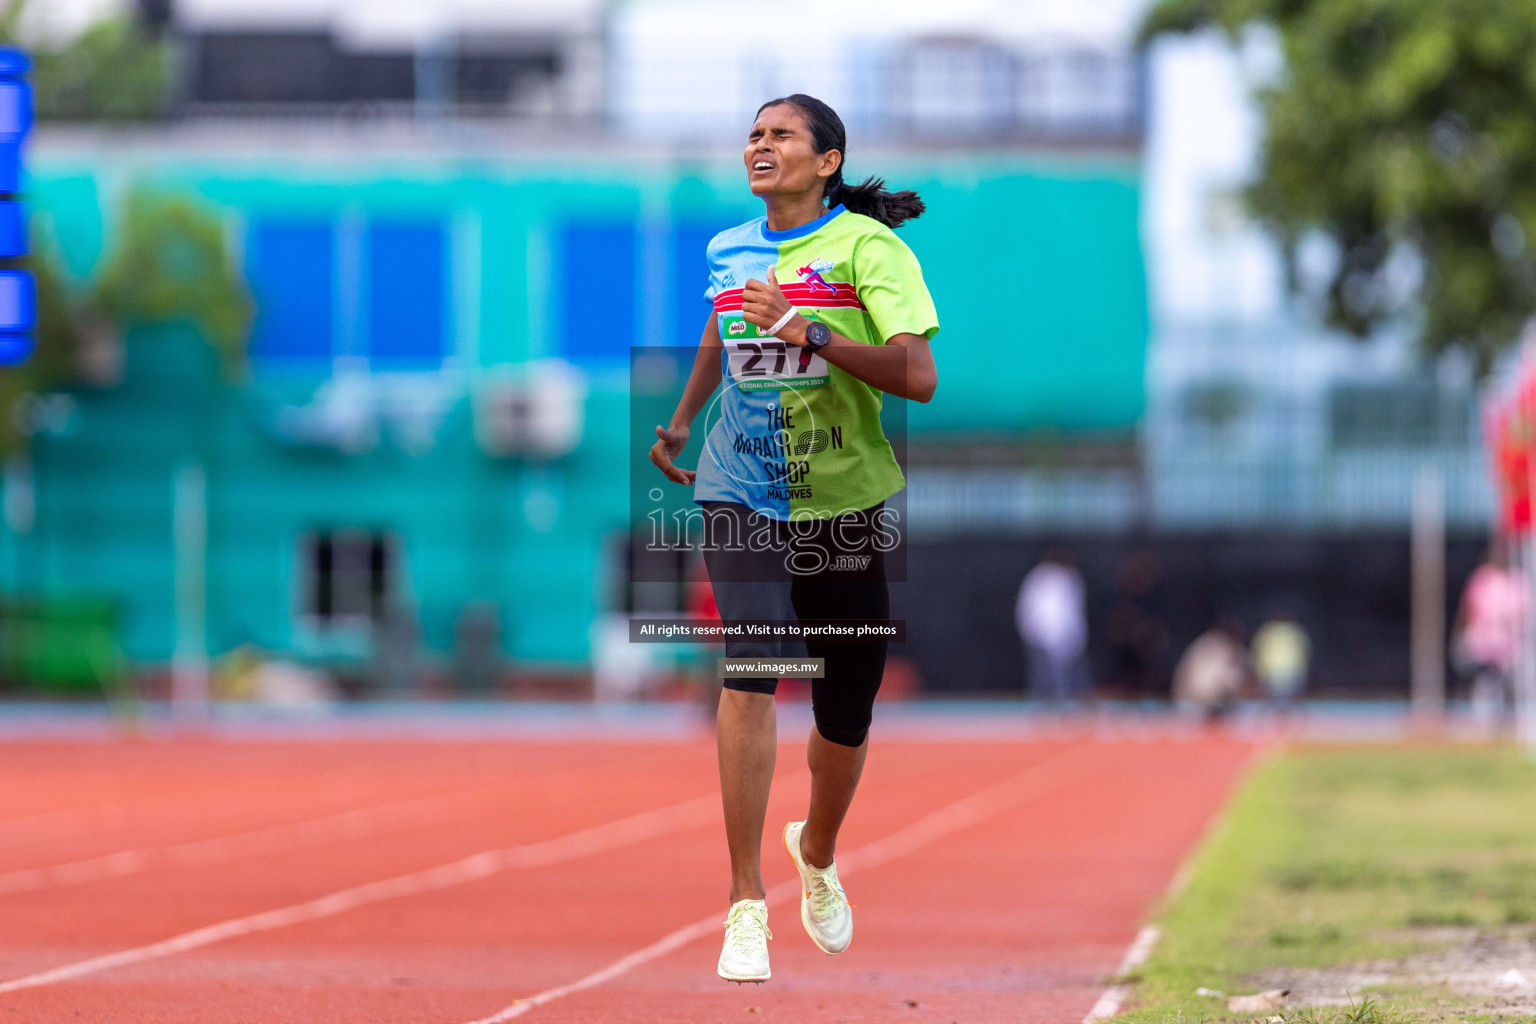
x=871, y=198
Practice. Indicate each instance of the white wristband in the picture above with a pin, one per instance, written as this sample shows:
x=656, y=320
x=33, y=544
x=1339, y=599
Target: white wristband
x=786, y=318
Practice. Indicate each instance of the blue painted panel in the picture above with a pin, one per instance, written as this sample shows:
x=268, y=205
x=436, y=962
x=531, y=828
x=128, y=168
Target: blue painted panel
x=599, y=280
x=15, y=122
x=15, y=108
x=13, y=229
x=14, y=62
x=10, y=166
x=15, y=348
x=18, y=301
x=689, y=273
x=290, y=266
x=407, y=286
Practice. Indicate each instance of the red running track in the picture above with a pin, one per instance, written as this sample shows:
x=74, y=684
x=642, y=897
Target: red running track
x=161, y=881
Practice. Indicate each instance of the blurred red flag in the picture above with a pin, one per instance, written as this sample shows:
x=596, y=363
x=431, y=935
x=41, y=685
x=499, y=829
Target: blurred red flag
x=1509, y=426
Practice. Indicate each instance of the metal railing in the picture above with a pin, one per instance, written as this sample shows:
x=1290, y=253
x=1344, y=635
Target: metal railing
x=914, y=92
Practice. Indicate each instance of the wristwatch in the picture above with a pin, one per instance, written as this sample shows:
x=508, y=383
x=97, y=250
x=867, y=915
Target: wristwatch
x=817, y=336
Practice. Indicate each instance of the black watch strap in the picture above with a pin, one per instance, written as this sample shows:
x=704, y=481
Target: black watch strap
x=811, y=347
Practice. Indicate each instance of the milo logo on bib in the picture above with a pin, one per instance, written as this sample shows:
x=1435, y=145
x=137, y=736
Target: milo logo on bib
x=759, y=362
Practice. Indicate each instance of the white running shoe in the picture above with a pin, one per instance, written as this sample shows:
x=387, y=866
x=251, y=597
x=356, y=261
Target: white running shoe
x=744, y=957
x=824, y=907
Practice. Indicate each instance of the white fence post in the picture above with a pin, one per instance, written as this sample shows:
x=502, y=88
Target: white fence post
x=1428, y=568
x=189, y=662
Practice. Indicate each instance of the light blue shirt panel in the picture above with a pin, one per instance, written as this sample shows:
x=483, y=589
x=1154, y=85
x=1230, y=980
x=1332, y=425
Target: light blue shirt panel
x=736, y=256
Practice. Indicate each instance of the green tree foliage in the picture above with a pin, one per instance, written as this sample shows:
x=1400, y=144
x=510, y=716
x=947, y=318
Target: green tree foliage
x=53, y=362
x=1400, y=127
x=171, y=262
x=110, y=72
x=57, y=334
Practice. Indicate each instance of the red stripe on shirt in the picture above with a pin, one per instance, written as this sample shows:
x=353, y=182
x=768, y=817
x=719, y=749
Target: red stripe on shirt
x=799, y=294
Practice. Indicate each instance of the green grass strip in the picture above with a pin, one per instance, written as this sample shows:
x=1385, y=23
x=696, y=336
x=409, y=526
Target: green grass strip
x=1333, y=857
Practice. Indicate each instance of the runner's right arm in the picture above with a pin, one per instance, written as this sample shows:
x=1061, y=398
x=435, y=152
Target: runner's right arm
x=673, y=438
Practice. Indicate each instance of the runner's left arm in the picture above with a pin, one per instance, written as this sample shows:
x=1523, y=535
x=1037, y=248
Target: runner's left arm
x=903, y=366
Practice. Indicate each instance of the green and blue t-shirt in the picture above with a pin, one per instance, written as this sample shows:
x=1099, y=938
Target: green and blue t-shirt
x=796, y=438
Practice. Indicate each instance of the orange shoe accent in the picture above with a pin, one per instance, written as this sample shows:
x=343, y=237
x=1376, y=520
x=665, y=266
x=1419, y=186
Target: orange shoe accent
x=784, y=842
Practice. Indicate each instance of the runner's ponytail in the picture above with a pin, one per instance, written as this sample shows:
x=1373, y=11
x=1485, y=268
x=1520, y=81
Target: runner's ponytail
x=873, y=199
x=870, y=197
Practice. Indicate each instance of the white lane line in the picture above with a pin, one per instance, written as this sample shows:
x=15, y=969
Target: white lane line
x=1114, y=997
x=1038, y=781
x=63, y=822
x=1112, y=1000
x=613, y=835
x=355, y=824
x=360, y=823
x=678, y=939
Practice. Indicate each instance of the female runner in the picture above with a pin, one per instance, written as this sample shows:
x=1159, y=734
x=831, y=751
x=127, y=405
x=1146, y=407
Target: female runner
x=795, y=474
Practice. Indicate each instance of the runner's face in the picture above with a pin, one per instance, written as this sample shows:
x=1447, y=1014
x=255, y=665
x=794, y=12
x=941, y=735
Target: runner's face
x=781, y=156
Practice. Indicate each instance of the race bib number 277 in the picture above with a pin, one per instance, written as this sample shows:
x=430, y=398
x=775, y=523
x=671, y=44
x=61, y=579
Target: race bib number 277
x=763, y=363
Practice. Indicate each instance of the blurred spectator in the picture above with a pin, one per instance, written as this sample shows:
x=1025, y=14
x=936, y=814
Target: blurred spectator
x=1053, y=622
x=1213, y=670
x=1282, y=654
x=1487, y=634
x=1136, y=638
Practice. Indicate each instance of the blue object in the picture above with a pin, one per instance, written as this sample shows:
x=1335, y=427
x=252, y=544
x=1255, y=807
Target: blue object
x=10, y=167
x=13, y=63
x=599, y=279
x=15, y=348
x=15, y=116
x=291, y=267
x=15, y=109
x=13, y=229
x=18, y=301
x=407, y=294
x=18, y=291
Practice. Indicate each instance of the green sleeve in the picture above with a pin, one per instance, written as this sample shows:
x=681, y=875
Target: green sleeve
x=890, y=284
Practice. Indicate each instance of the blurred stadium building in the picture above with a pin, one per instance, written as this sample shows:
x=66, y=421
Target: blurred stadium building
x=456, y=218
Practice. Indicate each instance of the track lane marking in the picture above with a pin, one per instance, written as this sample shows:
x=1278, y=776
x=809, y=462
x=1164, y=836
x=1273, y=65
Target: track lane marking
x=1112, y=1000
x=1037, y=781
x=339, y=782
x=1114, y=996
x=612, y=835
x=344, y=826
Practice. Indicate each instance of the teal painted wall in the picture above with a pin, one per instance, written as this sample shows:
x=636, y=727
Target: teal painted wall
x=1035, y=267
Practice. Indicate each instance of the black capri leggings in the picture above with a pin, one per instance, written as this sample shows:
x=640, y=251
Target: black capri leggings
x=762, y=568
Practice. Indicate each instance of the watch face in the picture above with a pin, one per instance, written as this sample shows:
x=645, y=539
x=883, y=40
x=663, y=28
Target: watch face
x=818, y=334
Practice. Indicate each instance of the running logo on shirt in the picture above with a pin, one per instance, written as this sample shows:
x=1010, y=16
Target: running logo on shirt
x=811, y=274
x=814, y=442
